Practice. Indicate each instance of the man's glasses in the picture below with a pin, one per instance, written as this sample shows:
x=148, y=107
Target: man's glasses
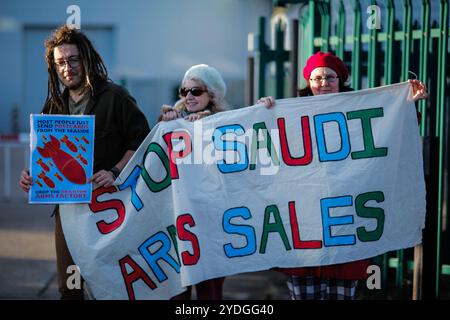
x=329, y=79
x=73, y=62
x=195, y=91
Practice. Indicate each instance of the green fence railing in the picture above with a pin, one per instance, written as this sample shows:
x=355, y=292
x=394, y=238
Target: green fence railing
x=412, y=40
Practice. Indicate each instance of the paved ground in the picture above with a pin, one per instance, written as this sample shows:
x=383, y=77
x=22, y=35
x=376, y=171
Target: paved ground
x=28, y=268
x=27, y=253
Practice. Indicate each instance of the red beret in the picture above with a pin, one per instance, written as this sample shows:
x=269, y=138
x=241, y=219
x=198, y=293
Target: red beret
x=321, y=59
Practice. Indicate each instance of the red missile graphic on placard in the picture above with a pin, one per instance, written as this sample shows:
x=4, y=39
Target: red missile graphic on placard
x=58, y=176
x=51, y=164
x=79, y=156
x=49, y=182
x=85, y=140
x=82, y=148
x=66, y=164
x=76, y=139
x=43, y=137
x=39, y=184
x=43, y=165
x=69, y=144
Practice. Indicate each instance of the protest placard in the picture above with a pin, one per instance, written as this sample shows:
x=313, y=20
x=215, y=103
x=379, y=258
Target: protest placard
x=61, y=158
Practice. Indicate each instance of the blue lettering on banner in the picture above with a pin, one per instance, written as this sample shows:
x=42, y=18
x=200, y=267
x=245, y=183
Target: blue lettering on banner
x=341, y=154
x=224, y=145
x=161, y=254
x=327, y=221
x=131, y=182
x=247, y=231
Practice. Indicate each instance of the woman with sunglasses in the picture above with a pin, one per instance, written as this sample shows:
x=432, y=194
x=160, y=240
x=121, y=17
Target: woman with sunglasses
x=202, y=93
x=325, y=73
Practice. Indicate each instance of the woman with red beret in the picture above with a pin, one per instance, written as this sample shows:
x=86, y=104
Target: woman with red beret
x=325, y=73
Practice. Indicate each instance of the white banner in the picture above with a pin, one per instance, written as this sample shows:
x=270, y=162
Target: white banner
x=312, y=181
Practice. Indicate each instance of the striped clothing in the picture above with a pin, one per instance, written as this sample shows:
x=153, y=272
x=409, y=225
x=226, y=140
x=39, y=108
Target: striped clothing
x=317, y=288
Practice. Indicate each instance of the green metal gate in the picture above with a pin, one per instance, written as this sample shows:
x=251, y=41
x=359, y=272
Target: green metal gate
x=383, y=43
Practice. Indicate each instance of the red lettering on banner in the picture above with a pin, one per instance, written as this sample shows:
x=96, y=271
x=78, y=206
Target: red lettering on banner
x=297, y=242
x=116, y=204
x=306, y=133
x=185, y=235
x=174, y=155
x=137, y=274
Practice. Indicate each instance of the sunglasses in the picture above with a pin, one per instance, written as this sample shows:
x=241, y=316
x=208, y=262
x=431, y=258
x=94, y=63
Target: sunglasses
x=195, y=91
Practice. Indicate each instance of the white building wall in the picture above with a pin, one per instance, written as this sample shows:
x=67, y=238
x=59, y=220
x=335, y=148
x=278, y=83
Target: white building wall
x=152, y=43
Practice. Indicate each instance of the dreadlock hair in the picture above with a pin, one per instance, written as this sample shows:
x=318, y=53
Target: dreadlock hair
x=91, y=62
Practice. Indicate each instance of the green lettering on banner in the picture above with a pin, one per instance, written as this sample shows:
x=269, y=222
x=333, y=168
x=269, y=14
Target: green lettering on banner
x=370, y=212
x=369, y=146
x=152, y=184
x=277, y=226
x=265, y=143
x=172, y=230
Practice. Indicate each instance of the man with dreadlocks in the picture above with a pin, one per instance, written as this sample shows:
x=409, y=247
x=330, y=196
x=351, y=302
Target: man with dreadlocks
x=78, y=83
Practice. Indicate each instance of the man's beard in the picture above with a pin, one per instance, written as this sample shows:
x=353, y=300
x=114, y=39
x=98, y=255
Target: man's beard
x=73, y=86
